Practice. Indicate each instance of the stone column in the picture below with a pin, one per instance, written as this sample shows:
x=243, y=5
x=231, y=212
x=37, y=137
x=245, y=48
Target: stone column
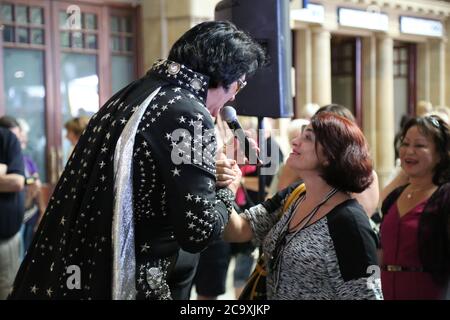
x=164, y=21
x=447, y=65
x=385, y=129
x=423, y=72
x=437, y=72
x=369, y=98
x=154, y=23
x=321, y=72
x=303, y=69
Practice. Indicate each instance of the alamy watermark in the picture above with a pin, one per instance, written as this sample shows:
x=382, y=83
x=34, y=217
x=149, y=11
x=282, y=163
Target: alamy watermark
x=373, y=281
x=73, y=21
x=200, y=148
x=73, y=281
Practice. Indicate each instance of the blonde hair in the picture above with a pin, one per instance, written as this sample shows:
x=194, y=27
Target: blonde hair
x=308, y=110
x=443, y=112
x=77, y=125
x=423, y=107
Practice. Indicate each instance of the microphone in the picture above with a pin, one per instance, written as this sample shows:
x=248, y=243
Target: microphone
x=228, y=114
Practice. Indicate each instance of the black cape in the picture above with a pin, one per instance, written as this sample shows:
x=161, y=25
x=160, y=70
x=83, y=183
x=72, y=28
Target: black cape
x=87, y=246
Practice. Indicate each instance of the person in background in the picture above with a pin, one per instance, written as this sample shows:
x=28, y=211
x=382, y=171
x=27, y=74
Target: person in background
x=248, y=194
x=399, y=177
x=308, y=111
x=75, y=128
x=34, y=200
x=12, y=182
x=34, y=204
x=415, y=243
x=441, y=111
x=423, y=107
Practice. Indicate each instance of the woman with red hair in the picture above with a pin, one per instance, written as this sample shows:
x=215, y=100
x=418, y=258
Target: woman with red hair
x=322, y=245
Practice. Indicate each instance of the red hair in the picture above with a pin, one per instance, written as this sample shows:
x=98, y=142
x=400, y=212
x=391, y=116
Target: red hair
x=349, y=166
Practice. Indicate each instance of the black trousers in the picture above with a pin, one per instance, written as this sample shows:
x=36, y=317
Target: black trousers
x=180, y=281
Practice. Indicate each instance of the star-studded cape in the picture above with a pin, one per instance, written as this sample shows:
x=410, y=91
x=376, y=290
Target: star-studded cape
x=139, y=185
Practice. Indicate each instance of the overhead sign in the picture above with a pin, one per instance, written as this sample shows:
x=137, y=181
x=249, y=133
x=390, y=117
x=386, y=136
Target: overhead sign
x=419, y=26
x=363, y=19
x=312, y=13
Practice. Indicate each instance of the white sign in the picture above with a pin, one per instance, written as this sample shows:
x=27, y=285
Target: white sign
x=424, y=27
x=363, y=19
x=312, y=13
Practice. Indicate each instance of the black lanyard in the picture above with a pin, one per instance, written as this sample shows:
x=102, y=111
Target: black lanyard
x=282, y=242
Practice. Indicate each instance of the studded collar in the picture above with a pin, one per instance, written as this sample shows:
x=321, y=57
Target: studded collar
x=182, y=76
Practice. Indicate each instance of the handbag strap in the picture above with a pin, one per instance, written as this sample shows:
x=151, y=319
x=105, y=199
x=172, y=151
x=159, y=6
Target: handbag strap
x=301, y=188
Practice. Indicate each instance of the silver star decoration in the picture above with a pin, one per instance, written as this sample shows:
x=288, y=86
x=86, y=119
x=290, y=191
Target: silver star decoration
x=189, y=197
x=176, y=172
x=145, y=247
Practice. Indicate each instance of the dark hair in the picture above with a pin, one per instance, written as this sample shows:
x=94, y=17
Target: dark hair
x=9, y=122
x=438, y=130
x=218, y=50
x=337, y=109
x=398, y=136
x=349, y=166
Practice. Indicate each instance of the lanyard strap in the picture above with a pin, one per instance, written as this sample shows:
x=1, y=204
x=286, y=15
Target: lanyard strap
x=309, y=216
x=282, y=242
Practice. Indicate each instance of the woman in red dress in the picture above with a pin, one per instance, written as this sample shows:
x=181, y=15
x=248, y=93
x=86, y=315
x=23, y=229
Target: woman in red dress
x=414, y=231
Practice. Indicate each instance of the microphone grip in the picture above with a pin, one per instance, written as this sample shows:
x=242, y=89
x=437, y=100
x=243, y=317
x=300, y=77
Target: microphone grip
x=244, y=142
